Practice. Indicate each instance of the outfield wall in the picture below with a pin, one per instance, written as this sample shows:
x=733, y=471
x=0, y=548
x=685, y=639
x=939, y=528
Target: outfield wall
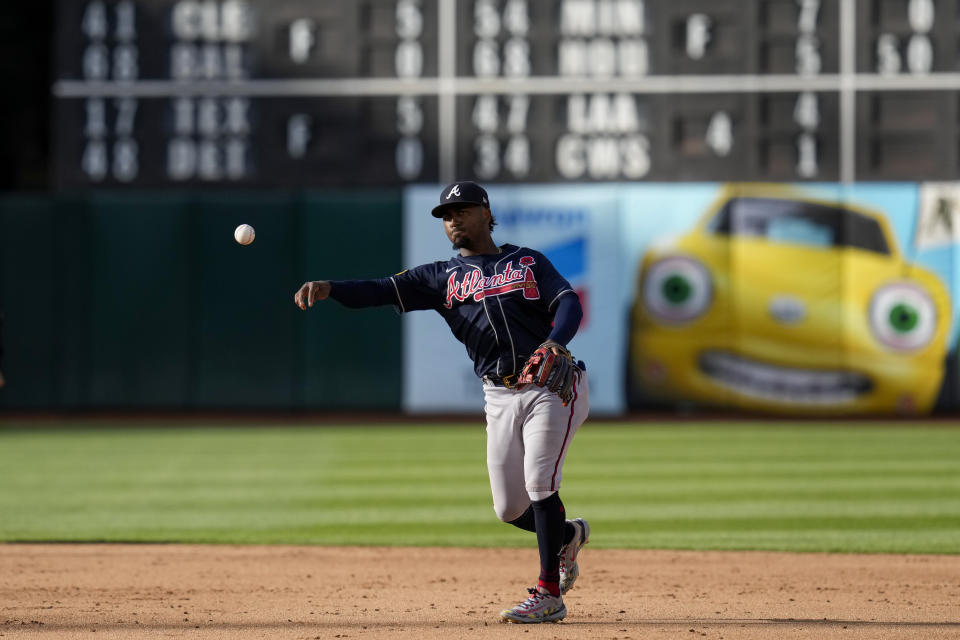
x=145, y=300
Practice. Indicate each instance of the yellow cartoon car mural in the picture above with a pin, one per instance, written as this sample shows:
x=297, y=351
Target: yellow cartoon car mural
x=781, y=302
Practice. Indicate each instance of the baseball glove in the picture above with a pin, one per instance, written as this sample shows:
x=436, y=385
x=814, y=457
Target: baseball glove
x=556, y=373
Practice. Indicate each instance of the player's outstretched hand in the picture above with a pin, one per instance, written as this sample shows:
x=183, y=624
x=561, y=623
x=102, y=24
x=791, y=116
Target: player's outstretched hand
x=311, y=292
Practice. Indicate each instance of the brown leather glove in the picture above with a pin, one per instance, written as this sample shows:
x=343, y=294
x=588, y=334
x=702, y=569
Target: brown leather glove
x=556, y=372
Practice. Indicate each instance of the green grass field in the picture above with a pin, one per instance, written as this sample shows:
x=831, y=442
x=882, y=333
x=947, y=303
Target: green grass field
x=856, y=487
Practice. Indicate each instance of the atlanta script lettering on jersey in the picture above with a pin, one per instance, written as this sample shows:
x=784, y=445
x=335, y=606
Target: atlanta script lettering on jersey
x=478, y=286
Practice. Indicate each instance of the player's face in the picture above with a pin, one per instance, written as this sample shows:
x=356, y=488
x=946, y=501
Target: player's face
x=466, y=226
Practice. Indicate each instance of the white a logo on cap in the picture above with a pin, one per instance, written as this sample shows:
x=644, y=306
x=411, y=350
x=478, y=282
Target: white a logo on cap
x=453, y=192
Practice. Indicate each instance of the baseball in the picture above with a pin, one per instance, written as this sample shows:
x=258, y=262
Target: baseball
x=244, y=234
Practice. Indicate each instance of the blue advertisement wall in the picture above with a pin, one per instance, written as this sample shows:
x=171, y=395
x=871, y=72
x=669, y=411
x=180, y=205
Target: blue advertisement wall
x=810, y=299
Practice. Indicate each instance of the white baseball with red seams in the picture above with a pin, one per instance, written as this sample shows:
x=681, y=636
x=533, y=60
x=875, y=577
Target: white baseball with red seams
x=244, y=234
x=528, y=435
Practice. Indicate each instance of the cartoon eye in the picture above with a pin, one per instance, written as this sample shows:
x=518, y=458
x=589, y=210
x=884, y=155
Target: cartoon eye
x=677, y=289
x=903, y=316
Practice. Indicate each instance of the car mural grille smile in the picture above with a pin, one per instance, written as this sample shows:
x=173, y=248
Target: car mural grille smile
x=782, y=384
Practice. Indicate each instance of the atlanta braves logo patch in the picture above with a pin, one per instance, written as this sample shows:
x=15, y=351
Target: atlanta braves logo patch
x=477, y=286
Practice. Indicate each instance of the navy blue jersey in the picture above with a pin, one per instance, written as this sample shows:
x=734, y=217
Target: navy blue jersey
x=499, y=306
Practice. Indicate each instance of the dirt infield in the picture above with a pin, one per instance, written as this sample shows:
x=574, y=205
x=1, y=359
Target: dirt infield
x=237, y=592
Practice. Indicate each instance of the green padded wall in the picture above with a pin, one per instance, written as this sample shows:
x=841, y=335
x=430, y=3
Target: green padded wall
x=144, y=300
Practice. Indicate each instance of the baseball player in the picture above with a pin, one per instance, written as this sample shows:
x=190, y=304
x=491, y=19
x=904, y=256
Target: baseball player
x=514, y=313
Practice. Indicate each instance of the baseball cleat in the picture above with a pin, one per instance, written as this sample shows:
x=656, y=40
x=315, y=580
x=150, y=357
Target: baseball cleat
x=539, y=607
x=569, y=571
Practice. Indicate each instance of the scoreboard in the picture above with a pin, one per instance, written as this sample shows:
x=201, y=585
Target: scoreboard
x=313, y=93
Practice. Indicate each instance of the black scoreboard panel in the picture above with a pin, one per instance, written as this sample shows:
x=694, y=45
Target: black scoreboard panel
x=784, y=154
x=291, y=142
x=908, y=135
x=208, y=40
x=646, y=137
x=908, y=36
x=309, y=93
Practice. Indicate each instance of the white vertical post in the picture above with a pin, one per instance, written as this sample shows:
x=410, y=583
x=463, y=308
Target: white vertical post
x=447, y=83
x=848, y=89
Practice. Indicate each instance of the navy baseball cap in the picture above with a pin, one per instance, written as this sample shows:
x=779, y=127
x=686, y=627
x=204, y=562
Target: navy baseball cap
x=460, y=193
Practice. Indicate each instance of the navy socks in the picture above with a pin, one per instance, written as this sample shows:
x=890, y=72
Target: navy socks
x=527, y=523
x=550, y=519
